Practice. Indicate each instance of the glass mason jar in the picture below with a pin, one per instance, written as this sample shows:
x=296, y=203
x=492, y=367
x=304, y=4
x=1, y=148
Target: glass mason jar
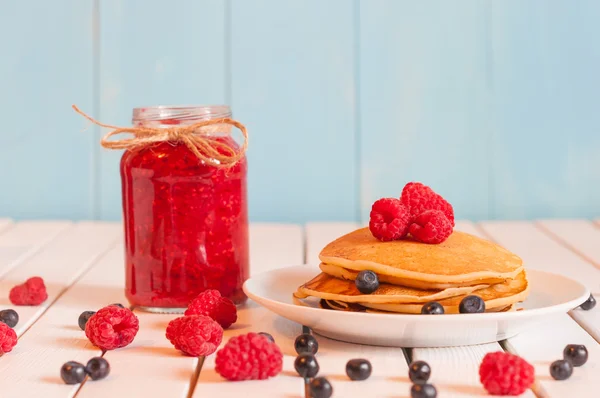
x=186, y=220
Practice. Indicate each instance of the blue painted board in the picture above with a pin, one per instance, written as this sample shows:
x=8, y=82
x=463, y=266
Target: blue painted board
x=154, y=52
x=46, y=65
x=293, y=84
x=546, y=124
x=424, y=96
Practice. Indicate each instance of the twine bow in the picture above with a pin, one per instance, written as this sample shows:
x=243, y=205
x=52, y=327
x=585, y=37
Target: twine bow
x=206, y=148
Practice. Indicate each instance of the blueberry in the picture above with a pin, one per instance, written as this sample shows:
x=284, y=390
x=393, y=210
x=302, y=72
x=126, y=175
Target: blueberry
x=306, y=343
x=432, y=308
x=367, y=282
x=72, y=372
x=577, y=354
x=118, y=305
x=10, y=317
x=423, y=391
x=98, y=368
x=268, y=336
x=419, y=372
x=471, y=305
x=306, y=365
x=84, y=317
x=358, y=369
x=561, y=369
x=320, y=388
x=589, y=303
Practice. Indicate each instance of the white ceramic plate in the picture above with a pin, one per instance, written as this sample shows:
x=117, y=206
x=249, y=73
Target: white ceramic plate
x=549, y=294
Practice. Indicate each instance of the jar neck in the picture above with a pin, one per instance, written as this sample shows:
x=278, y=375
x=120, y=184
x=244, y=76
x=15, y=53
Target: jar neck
x=169, y=116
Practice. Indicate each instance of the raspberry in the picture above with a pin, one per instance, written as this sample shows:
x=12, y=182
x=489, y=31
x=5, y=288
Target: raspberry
x=418, y=198
x=389, y=219
x=8, y=338
x=211, y=304
x=32, y=292
x=112, y=327
x=432, y=226
x=502, y=373
x=249, y=357
x=195, y=335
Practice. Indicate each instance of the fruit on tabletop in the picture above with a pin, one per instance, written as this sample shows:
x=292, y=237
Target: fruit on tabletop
x=112, y=327
x=210, y=303
x=306, y=343
x=195, y=335
x=503, y=373
x=577, y=354
x=423, y=391
x=306, y=365
x=72, y=372
x=320, y=387
x=84, y=317
x=358, y=369
x=419, y=372
x=561, y=369
x=9, y=317
x=589, y=303
x=32, y=292
x=98, y=368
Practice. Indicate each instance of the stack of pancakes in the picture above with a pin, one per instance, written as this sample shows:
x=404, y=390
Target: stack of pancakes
x=412, y=273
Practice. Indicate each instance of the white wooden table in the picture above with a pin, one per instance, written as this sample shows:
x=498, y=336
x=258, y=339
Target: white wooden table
x=83, y=267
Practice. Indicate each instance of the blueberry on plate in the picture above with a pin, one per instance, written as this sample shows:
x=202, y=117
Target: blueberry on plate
x=306, y=365
x=589, y=303
x=84, y=317
x=367, y=282
x=10, y=317
x=577, y=354
x=268, y=336
x=561, y=369
x=358, y=369
x=320, y=388
x=419, y=372
x=471, y=305
x=306, y=343
x=423, y=391
x=98, y=368
x=432, y=308
x=72, y=372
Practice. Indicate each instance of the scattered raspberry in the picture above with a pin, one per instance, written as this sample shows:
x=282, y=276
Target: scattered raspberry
x=432, y=226
x=389, y=219
x=418, y=198
x=502, y=373
x=8, y=338
x=211, y=304
x=32, y=292
x=249, y=357
x=112, y=327
x=195, y=335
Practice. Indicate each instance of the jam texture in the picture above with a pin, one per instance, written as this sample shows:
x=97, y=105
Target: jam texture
x=186, y=226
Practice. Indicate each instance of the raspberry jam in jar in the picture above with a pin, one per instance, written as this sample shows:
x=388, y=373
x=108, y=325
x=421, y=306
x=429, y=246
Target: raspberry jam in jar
x=185, y=214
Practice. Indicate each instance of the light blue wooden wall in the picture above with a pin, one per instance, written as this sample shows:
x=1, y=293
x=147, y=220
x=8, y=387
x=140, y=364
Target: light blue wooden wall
x=493, y=103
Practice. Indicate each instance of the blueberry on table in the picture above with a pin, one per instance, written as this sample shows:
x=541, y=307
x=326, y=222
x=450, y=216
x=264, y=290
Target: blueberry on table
x=432, y=308
x=419, y=372
x=358, y=369
x=306, y=365
x=577, y=354
x=471, y=305
x=268, y=336
x=320, y=388
x=367, y=282
x=84, y=317
x=306, y=343
x=589, y=303
x=72, y=372
x=98, y=368
x=561, y=369
x=118, y=305
x=10, y=317
x=423, y=391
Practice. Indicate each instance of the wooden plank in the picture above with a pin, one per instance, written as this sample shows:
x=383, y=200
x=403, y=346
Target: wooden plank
x=413, y=86
x=24, y=239
x=182, y=62
x=32, y=369
x=319, y=234
x=272, y=246
x=60, y=264
x=296, y=93
x=544, y=343
x=45, y=156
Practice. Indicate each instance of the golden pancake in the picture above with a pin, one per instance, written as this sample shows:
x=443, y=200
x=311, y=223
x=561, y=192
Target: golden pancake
x=329, y=288
x=461, y=260
x=495, y=297
x=350, y=274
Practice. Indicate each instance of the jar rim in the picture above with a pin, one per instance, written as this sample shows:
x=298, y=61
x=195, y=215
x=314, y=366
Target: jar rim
x=181, y=113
